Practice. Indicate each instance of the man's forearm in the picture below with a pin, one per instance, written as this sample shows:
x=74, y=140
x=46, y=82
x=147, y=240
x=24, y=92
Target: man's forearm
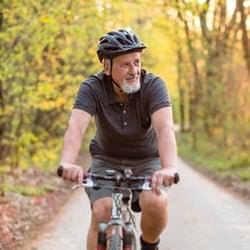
x=167, y=148
x=71, y=146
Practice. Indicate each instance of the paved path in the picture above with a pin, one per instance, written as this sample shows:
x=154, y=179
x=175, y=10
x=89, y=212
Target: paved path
x=202, y=216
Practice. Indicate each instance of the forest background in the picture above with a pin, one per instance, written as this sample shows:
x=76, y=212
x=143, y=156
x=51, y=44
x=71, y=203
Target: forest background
x=200, y=48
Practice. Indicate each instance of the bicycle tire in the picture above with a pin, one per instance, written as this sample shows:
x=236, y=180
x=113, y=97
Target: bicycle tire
x=115, y=242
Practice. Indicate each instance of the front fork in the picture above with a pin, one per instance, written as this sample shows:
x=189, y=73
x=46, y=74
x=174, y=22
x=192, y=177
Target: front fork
x=102, y=237
x=127, y=236
x=116, y=219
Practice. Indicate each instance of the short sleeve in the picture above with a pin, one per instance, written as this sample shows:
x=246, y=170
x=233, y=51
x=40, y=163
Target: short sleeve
x=85, y=99
x=157, y=95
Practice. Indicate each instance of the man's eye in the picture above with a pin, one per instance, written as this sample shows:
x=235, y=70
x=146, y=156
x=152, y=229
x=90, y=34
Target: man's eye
x=137, y=62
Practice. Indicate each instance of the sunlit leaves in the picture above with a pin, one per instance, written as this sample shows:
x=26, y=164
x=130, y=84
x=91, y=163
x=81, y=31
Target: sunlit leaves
x=48, y=47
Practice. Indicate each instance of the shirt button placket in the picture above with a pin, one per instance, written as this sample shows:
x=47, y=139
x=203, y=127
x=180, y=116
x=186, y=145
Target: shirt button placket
x=124, y=113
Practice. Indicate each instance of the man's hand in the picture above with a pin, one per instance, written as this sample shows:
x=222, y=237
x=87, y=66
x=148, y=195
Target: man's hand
x=72, y=172
x=163, y=177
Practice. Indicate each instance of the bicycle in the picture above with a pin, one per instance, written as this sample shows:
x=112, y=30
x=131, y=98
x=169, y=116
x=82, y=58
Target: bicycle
x=119, y=233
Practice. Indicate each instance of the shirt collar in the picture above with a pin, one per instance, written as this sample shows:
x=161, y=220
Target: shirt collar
x=111, y=94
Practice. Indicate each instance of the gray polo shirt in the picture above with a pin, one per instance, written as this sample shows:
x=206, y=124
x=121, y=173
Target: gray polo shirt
x=123, y=130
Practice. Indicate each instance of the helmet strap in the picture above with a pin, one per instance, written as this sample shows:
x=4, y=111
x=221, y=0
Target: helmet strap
x=112, y=80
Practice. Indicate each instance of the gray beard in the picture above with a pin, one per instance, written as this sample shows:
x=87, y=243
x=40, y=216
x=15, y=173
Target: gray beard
x=130, y=89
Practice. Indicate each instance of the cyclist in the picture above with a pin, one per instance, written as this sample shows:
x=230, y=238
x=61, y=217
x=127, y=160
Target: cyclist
x=134, y=127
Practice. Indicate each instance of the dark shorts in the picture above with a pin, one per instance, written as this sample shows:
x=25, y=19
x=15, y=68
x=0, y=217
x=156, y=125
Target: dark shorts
x=100, y=164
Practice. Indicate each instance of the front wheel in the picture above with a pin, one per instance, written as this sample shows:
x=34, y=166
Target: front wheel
x=122, y=239
x=115, y=242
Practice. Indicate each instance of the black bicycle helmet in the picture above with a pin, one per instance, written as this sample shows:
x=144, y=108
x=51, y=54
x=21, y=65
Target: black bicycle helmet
x=118, y=42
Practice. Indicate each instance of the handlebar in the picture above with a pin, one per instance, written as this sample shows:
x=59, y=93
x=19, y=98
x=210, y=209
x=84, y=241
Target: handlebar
x=136, y=183
x=121, y=177
x=60, y=171
x=116, y=177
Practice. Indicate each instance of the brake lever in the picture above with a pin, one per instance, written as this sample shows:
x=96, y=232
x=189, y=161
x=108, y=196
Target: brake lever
x=146, y=185
x=87, y=183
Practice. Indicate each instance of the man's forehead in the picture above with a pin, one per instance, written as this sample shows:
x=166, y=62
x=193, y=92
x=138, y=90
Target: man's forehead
x=127, y=57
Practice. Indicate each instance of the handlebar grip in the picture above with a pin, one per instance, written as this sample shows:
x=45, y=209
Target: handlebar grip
x=176, y=178
x=60, y=171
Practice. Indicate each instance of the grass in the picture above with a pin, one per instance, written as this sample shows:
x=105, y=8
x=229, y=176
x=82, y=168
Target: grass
x=27, y=190
x=227, y=162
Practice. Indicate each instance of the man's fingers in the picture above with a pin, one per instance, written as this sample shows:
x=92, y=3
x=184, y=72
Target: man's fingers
x=80, y=176
x=73, y=173
x=156, y=183
x=168, y=181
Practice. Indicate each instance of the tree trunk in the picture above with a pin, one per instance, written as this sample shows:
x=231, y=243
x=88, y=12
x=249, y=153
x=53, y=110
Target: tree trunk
x=245, y=40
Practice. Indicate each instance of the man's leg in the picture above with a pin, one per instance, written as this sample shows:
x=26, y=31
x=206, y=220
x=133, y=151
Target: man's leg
x=101, y=202
x=101, y=212
x=92, y=236
x=154, y=217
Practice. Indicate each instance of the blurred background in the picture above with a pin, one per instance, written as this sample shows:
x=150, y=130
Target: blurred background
x=200, y=48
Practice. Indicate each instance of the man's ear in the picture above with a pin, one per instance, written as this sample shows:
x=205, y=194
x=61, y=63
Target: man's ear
x=106, y=67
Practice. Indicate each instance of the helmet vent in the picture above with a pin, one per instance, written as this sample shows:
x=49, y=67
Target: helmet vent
x=118, y=42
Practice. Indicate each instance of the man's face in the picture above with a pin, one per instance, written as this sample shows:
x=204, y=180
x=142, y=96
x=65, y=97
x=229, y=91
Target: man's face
x=126, y=71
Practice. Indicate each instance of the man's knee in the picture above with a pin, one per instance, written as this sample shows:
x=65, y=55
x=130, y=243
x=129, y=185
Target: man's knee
x=101, y=210
x=153, y=202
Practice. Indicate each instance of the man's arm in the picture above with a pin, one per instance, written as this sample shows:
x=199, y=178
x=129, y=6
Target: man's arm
x=163, y=125
x=78, y=123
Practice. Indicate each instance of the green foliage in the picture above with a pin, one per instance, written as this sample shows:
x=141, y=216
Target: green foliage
x=225, y=162
x=47, y=49
x=27, y=191
x=40, y=74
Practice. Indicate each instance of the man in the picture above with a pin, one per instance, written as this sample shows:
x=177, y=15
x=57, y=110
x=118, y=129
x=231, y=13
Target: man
x=134, y=127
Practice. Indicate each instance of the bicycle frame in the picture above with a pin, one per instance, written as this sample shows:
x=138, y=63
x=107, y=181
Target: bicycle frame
x=119, y=233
